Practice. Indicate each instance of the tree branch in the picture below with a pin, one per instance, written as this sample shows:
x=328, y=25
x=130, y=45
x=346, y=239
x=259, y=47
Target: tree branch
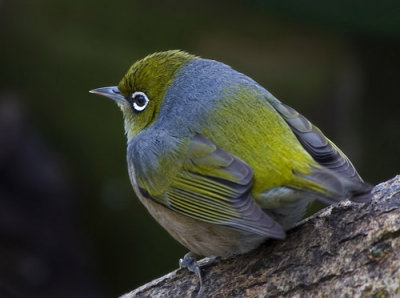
x=344, y=250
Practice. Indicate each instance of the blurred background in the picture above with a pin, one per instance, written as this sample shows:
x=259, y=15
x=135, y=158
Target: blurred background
x=70, y=225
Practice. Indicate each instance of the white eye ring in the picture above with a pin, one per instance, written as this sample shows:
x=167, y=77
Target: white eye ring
x=139, y=101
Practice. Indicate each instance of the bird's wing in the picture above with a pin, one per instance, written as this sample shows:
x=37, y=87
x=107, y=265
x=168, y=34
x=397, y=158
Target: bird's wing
x=326, y=153
x=317, y=145
x=212, y=185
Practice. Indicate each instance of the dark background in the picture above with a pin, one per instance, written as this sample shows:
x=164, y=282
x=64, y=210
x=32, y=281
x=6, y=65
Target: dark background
x=70, y=225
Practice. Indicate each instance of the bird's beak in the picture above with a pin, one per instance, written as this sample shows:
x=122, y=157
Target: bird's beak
x=110, y=92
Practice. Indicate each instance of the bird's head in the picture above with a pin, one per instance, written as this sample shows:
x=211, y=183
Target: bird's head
x=141, y=91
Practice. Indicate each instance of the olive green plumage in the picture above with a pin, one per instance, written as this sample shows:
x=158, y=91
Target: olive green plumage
x=151, y=75
x=217, y=160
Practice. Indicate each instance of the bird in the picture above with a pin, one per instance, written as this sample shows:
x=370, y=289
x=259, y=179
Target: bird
x=218, y=161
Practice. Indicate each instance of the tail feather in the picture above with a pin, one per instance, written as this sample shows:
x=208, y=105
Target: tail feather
x=333, y=187
x=363, y=195
x=337, y=175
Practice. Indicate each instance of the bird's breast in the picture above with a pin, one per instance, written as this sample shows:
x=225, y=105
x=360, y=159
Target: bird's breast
x=200, y=237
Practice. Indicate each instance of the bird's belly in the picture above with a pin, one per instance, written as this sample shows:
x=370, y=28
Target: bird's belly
x=200, y=237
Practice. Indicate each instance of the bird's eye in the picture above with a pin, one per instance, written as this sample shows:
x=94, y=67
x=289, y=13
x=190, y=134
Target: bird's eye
x=139, y=101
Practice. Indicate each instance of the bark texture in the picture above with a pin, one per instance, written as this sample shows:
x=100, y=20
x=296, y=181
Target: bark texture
x=349, y=250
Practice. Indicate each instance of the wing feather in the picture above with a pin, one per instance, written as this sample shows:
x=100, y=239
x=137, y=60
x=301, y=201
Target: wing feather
x=212, y=185
x=338, y=173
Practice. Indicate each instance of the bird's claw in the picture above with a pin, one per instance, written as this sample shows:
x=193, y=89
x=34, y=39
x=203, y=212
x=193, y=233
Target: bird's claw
x=189, y=262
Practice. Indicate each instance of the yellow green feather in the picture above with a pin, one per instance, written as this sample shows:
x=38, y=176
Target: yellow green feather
x=151, y=75
x=264, y=141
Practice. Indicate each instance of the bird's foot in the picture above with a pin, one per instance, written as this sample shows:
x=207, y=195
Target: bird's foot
x=189, y=261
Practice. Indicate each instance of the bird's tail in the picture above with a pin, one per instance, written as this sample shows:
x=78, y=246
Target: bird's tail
x=331, y=187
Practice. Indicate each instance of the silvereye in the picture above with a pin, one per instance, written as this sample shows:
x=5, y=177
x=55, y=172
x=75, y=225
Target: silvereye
x=217, y=160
